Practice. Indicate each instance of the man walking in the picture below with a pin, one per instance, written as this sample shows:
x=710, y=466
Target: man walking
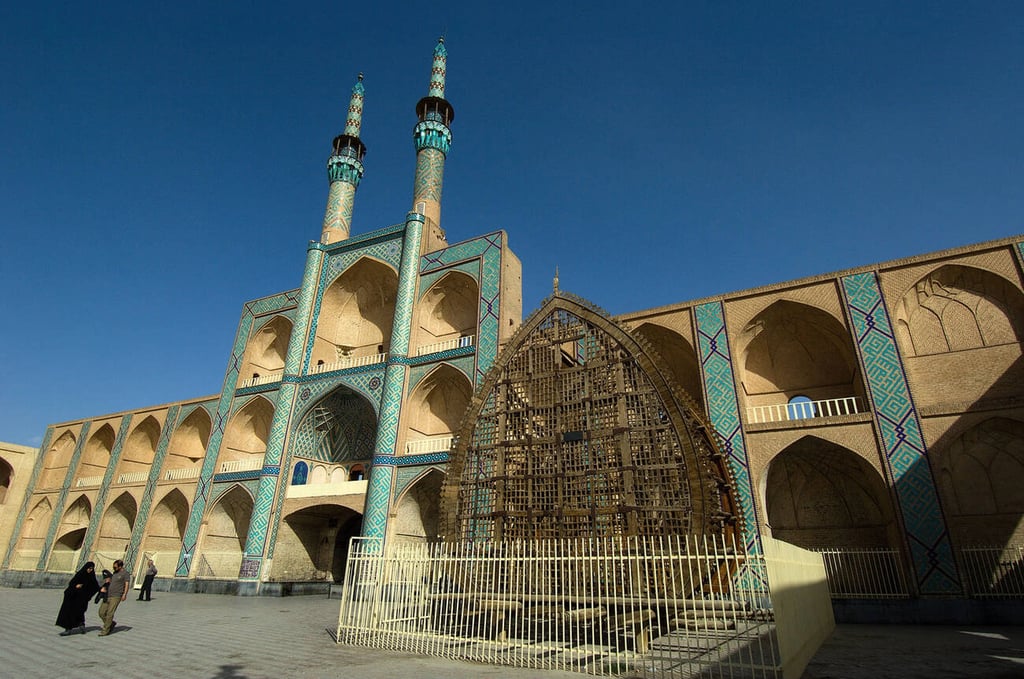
x=117, y=591
x=147, y=583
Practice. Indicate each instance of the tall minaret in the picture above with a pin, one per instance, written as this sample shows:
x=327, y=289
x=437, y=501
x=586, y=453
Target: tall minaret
x=433, y=138
x=345, y=169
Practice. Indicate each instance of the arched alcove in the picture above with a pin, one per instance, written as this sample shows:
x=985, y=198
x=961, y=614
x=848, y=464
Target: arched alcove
x=267, y=348
x=436, y=406
x=96, y=456
x=307, y=543
x=33, y=536
x=6, y=477
x=70, y=536
x=115, y=532
x=340, y=427
x=819, y=494
x=166, y=527
x=356, y=313
x=792, y=349
x=187, y=447
x=679, y=356
x=227, y=527
x=55, y=466
x=245, y=438
x=981, y=479
x=448, y=309
x=417, y=510
x=139, y=450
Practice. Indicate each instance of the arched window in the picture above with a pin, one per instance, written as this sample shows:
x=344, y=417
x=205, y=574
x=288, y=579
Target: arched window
x=300, y=473
x=800, y=408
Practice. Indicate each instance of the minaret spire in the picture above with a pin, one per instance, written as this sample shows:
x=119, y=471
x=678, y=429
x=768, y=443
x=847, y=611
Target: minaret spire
x=433, y=138
x=344, y=170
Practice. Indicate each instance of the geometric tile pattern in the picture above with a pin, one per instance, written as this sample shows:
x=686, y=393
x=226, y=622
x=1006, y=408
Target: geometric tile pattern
x=472, y=268
x=900, y=431
x=723, y=408
x=37, y=469
x=108, y=478
x=412, y=460
x=1020, y=250
x=147, y=497
x=417, y=373
x=62, y=498
x=260, y=307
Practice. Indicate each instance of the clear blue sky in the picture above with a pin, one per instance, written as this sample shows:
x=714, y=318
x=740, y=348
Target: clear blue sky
x=163, y=163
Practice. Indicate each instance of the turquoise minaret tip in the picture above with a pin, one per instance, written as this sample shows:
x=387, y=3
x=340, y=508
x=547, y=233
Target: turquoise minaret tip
x=355, y=109
x=437, y=72
x=344, y=170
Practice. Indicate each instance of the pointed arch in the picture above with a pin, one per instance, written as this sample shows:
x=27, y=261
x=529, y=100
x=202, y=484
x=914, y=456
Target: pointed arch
x=437, y=405
x=417, y=509
x=139, y=448
x=981, y=479
x=166, y=527
x=266, y=350
x=245, y=437
x=959, y=307
x=577, y=432
x=308, y=537
x=680, y=357
x=449, y=308
x=227, y=526
x=340, y=427
x=6, y=478
x=33, y=536
x=70, y=536
x=115, y=531
x=58, y=457
x=793, y=349
x=820, y=494
x=96, y=455
x=188, y=444
x=357, y=312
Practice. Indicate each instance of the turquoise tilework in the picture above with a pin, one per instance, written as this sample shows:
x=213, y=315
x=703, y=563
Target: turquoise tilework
x=412, y=460
x=1020, y=250
x=139, y=529
x=723, y=408
x=108, y=478
x=900, y=431
x=429, y=179
x=37, y=469
x=62, y=497
x=471, y=267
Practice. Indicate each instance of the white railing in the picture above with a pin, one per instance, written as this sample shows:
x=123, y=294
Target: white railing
x=262, y=379
x=803, y=410
x=88, y=481
x=865, y=573
x=434, y=444
x=242, y=465
x=651, y=607
x=994, y=572
x=456, y=343
x=350, y=362
x=182, y=473
x=132, y=477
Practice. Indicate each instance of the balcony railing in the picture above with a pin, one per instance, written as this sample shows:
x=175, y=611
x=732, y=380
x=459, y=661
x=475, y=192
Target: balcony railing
x=263, y=379
x=132, y=477
x=803, y=410
x=434, y=444
x=446, y=345
x=182, y=473
x=349, y=362
x=242, y=465
x=88, y=481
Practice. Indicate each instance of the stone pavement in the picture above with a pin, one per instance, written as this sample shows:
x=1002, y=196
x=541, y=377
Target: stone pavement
x=186, y=636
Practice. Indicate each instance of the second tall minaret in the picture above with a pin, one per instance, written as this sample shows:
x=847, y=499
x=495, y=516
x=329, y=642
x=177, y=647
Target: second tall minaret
x=433, y=138
x=345, y=169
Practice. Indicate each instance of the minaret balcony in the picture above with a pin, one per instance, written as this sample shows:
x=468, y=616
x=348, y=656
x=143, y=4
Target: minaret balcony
x=804, y=410
x=447, y=345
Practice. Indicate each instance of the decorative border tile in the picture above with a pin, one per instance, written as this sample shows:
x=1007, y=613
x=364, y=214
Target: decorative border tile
x=902, y=441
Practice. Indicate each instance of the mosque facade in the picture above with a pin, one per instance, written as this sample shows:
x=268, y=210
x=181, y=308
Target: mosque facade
x=877, y=411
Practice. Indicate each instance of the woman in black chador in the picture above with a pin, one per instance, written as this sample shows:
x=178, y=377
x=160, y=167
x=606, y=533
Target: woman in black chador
x=76, y=599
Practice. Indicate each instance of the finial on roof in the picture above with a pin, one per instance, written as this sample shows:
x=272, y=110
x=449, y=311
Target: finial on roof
x=556, y=280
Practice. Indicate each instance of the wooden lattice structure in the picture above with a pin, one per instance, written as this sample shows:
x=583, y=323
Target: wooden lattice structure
x=578, y=431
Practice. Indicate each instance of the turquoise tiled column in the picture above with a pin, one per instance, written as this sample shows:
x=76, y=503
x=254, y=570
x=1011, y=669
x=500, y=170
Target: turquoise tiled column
x=99, y=507
x=259, y=524
x=723, y=408
x=899, y=430
x=37, y=468
x=139, y=529
x=378, y=494
x=62, y=498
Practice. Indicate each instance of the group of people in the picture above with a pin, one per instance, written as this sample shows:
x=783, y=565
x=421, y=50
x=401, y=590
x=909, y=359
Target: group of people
x=109, y=594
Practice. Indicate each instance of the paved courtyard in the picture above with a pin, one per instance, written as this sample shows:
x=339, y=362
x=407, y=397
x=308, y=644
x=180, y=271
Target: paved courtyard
x=186, y=636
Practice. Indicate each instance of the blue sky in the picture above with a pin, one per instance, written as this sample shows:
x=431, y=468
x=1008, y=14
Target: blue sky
x=162, y=165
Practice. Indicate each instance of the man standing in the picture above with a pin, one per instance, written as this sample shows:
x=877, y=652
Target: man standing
x=147, y=583
x=117, y=591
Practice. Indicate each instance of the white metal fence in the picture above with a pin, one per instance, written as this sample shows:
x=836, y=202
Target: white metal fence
x=803, y=410
x=993, y=572
x=652, y=607
x=865, y=573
